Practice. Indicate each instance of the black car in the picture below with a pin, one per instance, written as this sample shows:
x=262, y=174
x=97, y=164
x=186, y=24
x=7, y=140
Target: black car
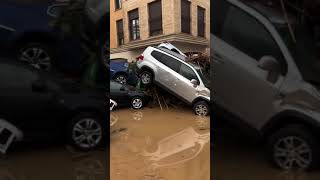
x=45, y=106
x=125, y=96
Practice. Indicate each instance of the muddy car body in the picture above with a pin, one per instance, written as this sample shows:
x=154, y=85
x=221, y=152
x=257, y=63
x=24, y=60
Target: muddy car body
x=263, y=81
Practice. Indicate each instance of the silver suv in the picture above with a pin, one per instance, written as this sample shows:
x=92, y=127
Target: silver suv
x=169, y=70
x=266, y=75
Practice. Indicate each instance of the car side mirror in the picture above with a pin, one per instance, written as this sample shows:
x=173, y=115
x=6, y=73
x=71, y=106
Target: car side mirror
x=194, y=82
x=39, y=86
x=272, y=66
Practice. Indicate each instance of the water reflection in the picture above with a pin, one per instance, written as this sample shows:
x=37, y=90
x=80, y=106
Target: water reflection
x=156, y=145
x=180, y=142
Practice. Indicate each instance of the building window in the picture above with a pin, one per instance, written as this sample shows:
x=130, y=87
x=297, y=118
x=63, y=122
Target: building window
x=155, y=18
x=185, y=16
x=134, y=24
x=120, y=32
x=118, y=4
x=201, y=21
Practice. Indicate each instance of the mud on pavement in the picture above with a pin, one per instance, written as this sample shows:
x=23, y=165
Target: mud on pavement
x=159, y=145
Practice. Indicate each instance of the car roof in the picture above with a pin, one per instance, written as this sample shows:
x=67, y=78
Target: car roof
x=177, y=55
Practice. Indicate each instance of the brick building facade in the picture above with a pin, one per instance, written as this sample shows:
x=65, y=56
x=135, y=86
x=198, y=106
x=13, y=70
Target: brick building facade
x=136, y=24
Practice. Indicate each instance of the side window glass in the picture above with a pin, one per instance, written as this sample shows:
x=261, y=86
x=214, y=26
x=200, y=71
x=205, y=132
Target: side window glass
x=157, y=55
x=248, y=35
x=171, y=62
x=188, y=73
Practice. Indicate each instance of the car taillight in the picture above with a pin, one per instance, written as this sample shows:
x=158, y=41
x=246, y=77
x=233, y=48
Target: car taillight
x=140, y=58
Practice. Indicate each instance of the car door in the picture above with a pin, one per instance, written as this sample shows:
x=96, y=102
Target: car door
x=240, y=86
x=185, y=88
x=119, y=93
x=167, y=71
x=30, y=110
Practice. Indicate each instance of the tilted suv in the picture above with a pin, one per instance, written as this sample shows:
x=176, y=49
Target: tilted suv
x=267, y=76
x=170, y=71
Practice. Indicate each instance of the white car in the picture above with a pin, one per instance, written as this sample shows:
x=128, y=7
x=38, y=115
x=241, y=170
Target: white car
x=171, y=47
x=170, y=71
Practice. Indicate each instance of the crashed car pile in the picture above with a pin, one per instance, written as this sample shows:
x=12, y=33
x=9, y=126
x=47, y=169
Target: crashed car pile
x=164, y=67
x=42, y=99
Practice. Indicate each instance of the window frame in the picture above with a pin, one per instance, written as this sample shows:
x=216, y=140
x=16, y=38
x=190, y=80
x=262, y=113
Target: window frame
x=120, y=39
x=186, y=17
x=132, y=27
x=117, y=4
x=203, y=24
x=155, y=32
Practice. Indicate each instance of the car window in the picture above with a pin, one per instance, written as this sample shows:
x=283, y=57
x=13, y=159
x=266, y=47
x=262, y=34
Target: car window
x=115, y=87
x=172, y=63
x=13, y=76
x=248, y=35
x=188, y=73
x=167, y=60
x=157, y=55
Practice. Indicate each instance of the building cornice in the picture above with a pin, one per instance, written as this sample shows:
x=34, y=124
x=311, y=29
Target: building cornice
x=175, y=38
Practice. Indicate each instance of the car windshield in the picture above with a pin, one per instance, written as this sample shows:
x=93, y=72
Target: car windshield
x=303, y=50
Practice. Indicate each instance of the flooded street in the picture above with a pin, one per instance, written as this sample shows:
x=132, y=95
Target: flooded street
x=52, y=164
x=235, y=157
x=151, y=144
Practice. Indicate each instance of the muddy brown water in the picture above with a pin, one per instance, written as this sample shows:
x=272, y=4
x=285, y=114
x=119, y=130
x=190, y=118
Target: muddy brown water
x=235, y=157
x=151, y=144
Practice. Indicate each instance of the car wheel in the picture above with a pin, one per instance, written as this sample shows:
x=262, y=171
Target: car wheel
x=39, y=56
x=86, y=132
x=146, y=77
x=293, y=147
x=201, y=108
x=121, y=78
x=137, y=103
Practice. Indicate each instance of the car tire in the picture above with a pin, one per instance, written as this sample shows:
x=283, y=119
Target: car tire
x=201, y=108
x=121, y=78
x=38, y=55
x=284, y=146
x=86, y=132
x=137, y=103
x=146, y=77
